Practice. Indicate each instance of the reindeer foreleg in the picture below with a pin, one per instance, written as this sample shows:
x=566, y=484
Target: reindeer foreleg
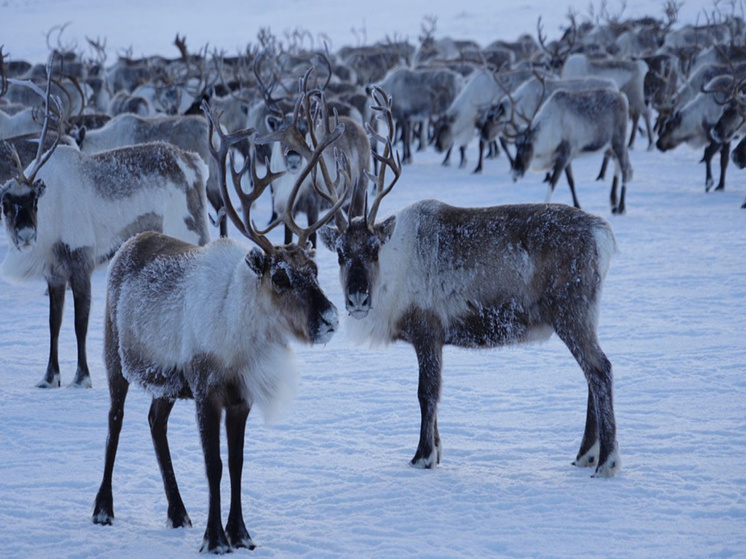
x=724, y=157
x=709, y=153
x=80, y=283
x=561, y=161
x=56, y=291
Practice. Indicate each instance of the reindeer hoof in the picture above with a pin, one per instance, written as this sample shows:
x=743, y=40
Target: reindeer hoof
x=589, y=458
x=81, y=382
x=49, y=381
x=427, y=462
x=610, y=466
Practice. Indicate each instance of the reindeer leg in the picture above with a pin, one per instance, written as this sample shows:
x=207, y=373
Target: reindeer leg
x=561, y=161
x=633, y=133
x=589, y=447
x=597, y=369
x=235, y=428
x=462, y=153
x=493, y=151
x=649, y=130
x=478, y=168
x=604, y=164
x=103, y=508
x=56, y=291
x=724, y=157
x=160, y=410
x=80, y=282
x=422, y=329
x=208, y=420
x=571, y=183
x=504, y=145
x=710, y=152
x=447, y=159
x=429, y=449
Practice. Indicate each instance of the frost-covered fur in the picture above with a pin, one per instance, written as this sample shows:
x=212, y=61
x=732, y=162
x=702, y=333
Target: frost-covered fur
x=204, y=304
x=629, y=75
x=212, y=323
x=435, y=275
x=189, y=132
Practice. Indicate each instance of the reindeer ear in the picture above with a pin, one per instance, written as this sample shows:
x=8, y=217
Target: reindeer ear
x=39, y=187
x=329, y=236
x=385, y=229
x=257, y=261
x=273, y=123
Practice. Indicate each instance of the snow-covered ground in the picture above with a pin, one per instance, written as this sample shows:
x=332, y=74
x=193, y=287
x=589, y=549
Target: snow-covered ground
x=332, y=479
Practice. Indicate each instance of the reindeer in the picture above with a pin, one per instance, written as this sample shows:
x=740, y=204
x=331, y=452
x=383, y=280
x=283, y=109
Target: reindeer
x=693, y=123
x=457, y=125
x=68, y=212
x=629, y=75
x=419, y=95
x=228, y=354
x=574, y=123
x=435, y=274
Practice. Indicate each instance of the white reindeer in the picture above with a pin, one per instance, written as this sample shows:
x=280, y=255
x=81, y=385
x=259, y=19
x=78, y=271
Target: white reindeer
x=69, y=212
x=693, y=125
x=434, y=274
x=166, y=332
x=457, y=126
x=571, y=124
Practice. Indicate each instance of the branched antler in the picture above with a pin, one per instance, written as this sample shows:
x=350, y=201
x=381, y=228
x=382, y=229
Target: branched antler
x=259, y=184
x=53, y=110
x=390, y=158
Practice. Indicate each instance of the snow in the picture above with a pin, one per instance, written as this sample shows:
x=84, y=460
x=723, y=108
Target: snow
x=332, y=478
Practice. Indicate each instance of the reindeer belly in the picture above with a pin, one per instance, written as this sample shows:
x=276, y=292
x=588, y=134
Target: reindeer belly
x=495, y=325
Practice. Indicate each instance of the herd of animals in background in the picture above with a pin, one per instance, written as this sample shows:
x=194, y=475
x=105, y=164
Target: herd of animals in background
x=129, y=161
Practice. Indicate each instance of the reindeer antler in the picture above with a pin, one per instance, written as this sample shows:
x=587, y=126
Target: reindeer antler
x=383, y=108
x=220, y=153
x=49, y=100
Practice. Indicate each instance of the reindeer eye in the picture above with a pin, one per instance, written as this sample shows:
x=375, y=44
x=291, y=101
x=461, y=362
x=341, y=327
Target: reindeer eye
x=280, y=280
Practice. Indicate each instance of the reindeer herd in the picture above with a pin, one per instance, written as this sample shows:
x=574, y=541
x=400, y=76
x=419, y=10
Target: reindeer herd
x=129, y=164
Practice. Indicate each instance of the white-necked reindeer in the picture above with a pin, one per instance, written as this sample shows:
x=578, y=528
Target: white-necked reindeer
x=166, y=331
x=574, y=123
x=69, y=212
x=434, y=274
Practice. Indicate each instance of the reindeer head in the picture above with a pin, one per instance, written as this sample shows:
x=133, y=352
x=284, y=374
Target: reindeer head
x=524, y=152
x=19, y=205
x=358, y=241
x=20, y=195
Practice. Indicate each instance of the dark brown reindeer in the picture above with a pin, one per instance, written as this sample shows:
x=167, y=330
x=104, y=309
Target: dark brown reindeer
x=434, y=274
x=228, y=354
